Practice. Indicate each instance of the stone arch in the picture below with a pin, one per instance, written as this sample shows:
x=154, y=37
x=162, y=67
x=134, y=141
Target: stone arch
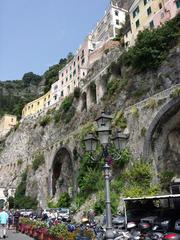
x=84, y=101
x=93, y=93
x=62, y=171
x=164, y=127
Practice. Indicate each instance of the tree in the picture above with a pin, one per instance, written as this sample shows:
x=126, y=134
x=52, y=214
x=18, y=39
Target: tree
x=70, y=56
x=62, y=61
x=31, y=78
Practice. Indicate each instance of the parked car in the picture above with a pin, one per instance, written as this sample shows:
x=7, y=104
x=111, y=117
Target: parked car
x=64, y=213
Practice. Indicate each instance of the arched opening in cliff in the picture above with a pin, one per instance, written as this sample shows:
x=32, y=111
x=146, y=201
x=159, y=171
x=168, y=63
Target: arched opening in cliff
x=162, y=143
x=93, y=92
x=103, y=82
x=62, y=172
x=84, y=101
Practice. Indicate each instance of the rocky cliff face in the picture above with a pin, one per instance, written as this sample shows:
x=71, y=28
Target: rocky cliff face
x=57, y=141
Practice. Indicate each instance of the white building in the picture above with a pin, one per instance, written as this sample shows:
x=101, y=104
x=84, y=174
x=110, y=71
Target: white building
x=109, y=26
x=70, y=76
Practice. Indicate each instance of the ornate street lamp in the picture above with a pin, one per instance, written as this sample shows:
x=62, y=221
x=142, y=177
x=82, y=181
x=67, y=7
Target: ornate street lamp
x=120, y=140
x=103, y=133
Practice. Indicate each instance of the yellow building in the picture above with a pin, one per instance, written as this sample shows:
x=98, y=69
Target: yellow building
x=38, y=105
x=6, y=123
x=142, y=14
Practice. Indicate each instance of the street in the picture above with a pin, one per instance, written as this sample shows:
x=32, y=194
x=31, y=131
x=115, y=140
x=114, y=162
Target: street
x=12, y=235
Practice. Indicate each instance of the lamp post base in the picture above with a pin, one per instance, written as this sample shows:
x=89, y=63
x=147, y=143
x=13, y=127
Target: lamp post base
x=109, y=234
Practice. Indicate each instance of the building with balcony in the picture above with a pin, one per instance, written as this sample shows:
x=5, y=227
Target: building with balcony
x=7, y=122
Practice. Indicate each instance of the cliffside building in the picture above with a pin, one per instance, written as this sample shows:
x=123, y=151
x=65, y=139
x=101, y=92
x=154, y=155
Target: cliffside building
x=149, y=14
x=7, y=122
x=37, y=105
x=91, y=50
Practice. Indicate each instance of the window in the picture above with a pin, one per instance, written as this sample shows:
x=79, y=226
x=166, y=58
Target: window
x=70, y=67
x=44, y=99
x=74, y=64
x=149, y=11
x=31, y=106
x=146, y=1
x=135, y=12
x=83, y=61
x=78, y=58
x=55, y=87
x=62, y=74
x=62, y=93
x=37, y=103
x=74, y=72
x=160, y=5
x=137, y=23
x=117, y=22
x=116, y=13
x=162, y=15
x=68, y=88
x=55, y=97
x=66, y=71
x=48, y=96
x=48, y=103
x=83, y=73
x=62, y=82
x=178, y=3
x=70, y=76
x=66, y=79
x=12, y=119
x=151, y=24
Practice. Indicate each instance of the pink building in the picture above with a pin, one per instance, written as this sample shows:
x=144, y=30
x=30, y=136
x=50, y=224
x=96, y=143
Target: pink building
x=168, y=10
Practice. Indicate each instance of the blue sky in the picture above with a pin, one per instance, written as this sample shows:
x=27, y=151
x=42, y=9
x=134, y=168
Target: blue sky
x=35, y=34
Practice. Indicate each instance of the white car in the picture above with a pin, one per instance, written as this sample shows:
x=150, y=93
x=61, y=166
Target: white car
x=64, y=213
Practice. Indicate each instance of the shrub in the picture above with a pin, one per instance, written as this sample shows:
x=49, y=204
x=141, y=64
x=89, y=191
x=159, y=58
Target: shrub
x=143, y=131
x=175, y=93
x=64, y=200
x=45, y=121
x=66, y=111
x=38, y=161
x=138, y=181
x=100, y=205
x=92, y=181
x=119, y=120
x=20, y=199
x=19, y=162
x=152, y=46
x=135, y=111
x=165, y=179
x=152, y=103
x=112, y=86
x=67, y=103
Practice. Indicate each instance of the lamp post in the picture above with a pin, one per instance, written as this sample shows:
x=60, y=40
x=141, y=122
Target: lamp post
x=103, y=135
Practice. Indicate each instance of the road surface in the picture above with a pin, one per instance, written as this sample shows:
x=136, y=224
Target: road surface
x=12, y=235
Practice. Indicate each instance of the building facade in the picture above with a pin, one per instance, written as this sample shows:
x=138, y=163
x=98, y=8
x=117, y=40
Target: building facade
x=167, y=11
x=151, y=14
x=38, y=105
x=7, y=122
